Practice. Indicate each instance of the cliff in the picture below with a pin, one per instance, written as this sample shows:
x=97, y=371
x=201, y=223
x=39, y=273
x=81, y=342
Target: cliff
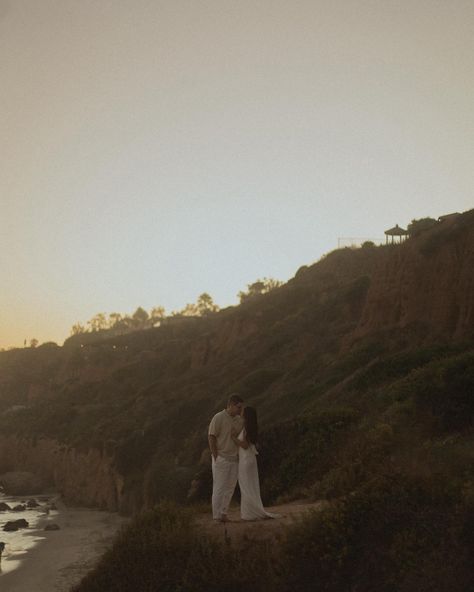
x=83, y=477
x=120, y=422
x=428, y=280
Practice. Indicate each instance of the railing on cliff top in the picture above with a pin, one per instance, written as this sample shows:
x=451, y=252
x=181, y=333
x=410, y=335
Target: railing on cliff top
x=357, y=242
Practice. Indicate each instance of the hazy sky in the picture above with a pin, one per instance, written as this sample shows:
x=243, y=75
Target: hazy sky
x=152, y=150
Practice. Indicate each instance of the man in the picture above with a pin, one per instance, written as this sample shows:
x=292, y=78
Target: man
x=225, y=455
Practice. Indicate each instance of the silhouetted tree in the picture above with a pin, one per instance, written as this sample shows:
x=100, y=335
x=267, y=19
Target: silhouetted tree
x=49, y=345
x=140, y=317
x=157, y=314
x=205, y=305
x=190, y=310
x=420, y=225
x=127, y=321
x=33, y=342
x=114, y=319
x=259, y=287
x=98, y=322
x=77, y=329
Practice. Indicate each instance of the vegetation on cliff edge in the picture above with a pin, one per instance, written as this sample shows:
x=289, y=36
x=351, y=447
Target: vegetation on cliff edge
x=379, y=423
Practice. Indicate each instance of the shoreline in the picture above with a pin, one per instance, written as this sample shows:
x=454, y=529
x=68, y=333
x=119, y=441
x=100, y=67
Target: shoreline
x=62, y=557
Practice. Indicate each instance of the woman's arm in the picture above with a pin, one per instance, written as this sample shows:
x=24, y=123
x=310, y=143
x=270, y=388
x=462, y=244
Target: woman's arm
x=242, y=443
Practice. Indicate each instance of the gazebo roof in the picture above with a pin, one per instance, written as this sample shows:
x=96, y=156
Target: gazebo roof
x=396, y=231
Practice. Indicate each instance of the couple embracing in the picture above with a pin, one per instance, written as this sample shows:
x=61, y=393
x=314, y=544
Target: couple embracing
x=232, y=438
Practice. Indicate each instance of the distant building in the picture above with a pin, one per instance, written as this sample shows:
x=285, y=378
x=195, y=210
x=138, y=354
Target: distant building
x=392, y=234
x=448, y=216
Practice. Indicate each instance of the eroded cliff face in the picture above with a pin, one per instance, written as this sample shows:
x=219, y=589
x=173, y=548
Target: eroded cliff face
x=226, y=337
x=82, y=477
x=426, y=280
x=163, y=384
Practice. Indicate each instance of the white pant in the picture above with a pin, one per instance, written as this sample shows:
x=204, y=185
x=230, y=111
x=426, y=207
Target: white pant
x=224, y=475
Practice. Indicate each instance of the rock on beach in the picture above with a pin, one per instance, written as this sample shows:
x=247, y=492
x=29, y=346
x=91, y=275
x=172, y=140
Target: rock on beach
x=14, y=525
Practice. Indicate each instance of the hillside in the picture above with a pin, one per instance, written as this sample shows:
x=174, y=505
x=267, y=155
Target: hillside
x=362, y=358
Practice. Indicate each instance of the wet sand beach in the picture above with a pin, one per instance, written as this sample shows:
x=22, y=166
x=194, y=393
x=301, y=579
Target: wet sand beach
x=62, y=557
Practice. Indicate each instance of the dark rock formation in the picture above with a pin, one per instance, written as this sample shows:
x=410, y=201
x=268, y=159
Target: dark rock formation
x=14, y=525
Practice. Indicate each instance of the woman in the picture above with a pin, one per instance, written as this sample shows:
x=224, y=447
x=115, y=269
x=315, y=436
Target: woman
x=251, y=507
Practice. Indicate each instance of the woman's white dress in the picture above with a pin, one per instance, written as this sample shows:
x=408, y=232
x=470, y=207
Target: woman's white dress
x=251, y=507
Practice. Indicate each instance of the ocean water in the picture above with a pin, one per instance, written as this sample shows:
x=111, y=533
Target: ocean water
x=18, y=543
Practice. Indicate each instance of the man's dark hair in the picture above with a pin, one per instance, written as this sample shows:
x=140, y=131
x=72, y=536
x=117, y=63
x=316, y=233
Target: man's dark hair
x=234, y=398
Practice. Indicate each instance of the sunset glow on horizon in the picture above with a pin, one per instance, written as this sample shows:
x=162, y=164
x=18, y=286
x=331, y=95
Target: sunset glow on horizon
x=156, y=150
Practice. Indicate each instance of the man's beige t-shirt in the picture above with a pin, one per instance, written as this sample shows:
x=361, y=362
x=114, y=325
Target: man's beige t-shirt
x=222, y=425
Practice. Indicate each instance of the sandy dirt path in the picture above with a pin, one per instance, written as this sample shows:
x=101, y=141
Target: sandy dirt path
x=260, y=529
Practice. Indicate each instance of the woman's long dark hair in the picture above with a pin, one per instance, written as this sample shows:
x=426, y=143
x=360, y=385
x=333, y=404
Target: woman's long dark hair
x=251, y=424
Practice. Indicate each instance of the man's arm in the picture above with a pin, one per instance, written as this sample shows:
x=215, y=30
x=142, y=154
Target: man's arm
x=213, y=445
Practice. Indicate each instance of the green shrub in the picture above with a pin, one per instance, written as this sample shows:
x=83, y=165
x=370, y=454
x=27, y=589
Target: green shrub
x=297, y=452
x=162, y=551
x=359, y=356
x=363, y=456
x=446, y=390
x=416, y=227
x=149, y=553
x=392, y=366
x=396, y=533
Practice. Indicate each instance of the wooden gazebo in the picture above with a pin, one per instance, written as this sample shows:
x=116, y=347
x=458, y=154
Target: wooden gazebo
x=392, y=233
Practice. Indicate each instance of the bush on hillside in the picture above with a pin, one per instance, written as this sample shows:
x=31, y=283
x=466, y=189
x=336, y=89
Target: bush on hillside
x=162, y=550
x=416, y=227
x=364, y=454
x=442, y=392
x=443, y=234
x=296, y=453
x=395, y=534
x=447, y=392
x=386, y=368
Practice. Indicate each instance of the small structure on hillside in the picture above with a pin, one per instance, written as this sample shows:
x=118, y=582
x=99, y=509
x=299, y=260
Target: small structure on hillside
x=448, y=216
x=392, y=234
